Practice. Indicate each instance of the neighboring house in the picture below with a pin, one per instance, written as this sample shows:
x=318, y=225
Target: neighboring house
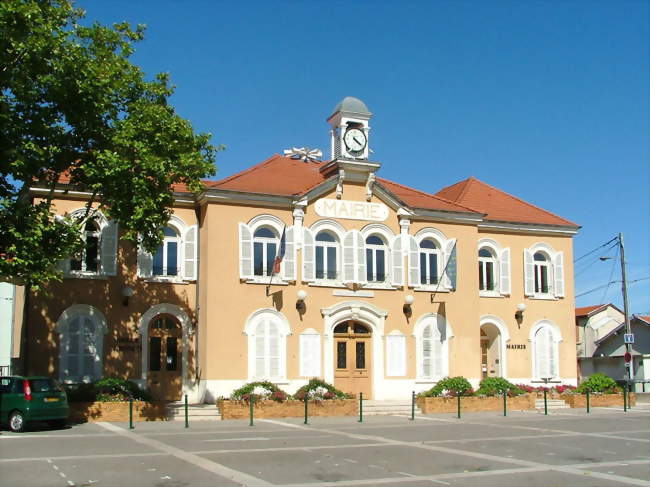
x=600, y=345
x=11, y=314
x=403, y=287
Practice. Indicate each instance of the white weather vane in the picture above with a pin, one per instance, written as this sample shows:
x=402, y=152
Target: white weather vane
x=303, y=153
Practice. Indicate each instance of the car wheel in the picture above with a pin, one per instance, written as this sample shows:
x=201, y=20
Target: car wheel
x=16, y=422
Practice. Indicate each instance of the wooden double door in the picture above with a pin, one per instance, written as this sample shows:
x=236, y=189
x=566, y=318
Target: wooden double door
x=165, y=375
x=353, y=358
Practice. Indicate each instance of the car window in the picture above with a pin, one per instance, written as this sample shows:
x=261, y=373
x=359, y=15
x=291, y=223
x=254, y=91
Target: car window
x=43, y=385
x=5, y=384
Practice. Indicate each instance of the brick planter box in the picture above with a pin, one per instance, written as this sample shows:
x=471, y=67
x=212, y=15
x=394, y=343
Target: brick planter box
x=471, y=404
x=82, y=412
x=598, y=400
x=288, y=409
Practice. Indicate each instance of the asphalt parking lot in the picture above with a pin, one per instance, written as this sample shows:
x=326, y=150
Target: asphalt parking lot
x=567, y=448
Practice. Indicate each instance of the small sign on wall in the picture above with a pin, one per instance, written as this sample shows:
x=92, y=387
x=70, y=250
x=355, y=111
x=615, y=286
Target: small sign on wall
x=628, y=338
x=352, y=210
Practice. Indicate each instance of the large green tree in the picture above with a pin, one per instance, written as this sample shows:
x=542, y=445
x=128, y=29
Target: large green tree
x=74, y=108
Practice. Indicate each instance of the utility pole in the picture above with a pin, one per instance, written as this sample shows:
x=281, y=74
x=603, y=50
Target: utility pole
x=628, y=346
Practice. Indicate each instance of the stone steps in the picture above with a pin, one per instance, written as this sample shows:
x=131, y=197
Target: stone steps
x=195, y=412
x=385, y=408
x=551, y=404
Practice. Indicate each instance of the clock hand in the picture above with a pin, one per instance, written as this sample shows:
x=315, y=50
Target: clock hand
x=356, y=140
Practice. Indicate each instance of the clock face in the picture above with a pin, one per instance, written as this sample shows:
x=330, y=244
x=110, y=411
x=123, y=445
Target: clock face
x=355, y=140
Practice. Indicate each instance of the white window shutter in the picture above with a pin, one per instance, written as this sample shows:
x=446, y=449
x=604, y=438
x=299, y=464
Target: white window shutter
x=310, y=356
x=541, y=353
x=349, y=257
x=289, y=260
x=529, y=273
x=552, y=355
x=245, y=252
x=395, y=355
x=413, y=262
x=108, y=257
x=504, y=271
x=274, y=350
x=397, y=274
x=260, y=351
x=449, y=264
x=145, y=262
x=360, y=264
x=558, y=274
x=308, y=256
x=190, y=260
x=436, y=352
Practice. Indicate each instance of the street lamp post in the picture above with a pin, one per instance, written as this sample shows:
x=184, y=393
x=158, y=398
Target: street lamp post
x=628, y=330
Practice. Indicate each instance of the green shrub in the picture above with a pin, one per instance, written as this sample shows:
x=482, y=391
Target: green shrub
x=450, y=386
x=108, y=389
x=319, y=389
x=598, y=383
x=258, y=391
x=497, y=386
x=82, y=392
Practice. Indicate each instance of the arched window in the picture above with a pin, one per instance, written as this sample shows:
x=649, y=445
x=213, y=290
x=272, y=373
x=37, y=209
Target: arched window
x=546, y=356
x=326, y=256
x=429, y=262
x=88, y=259
x=431, y=360
x=81, y=330
x=486, y=270
x=265, y=245
x=165, y=260
x=542, y=273
x=376, y=255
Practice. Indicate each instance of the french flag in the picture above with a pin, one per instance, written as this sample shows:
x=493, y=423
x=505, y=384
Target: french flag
x=280, y=255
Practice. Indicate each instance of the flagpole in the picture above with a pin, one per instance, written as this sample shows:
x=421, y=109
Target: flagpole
x=268, y=286
x=435, y=291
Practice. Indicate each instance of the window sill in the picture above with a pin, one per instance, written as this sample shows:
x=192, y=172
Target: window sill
x=426, y=381
x=167, y=280
x=432, y=289
x=265, y=280
x=326, y=283
x=544, y=297
x=83, y=275
x=378, y=285
x=490, y=294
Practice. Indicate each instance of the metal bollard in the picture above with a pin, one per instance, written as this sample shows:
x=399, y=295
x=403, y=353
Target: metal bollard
x=413, y=406
x=130, y=413
x=306, y=401
x=625, y=398
x=250, y=410
x=361, y=407
x=545, y=404
x=505, y=402
x=187, y=422
x=587, y=401
x=458, y=400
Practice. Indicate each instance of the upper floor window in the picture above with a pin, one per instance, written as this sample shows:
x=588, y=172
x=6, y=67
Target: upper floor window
x=88, y=259
x=543, y=272
x=327, y=248
x=376, y=255
x=486, y=270
x=429, y=262
x=165, y=260
x=265, y=247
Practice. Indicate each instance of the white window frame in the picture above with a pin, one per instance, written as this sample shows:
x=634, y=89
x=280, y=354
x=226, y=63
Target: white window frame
x=556, y=338
x=265, y=242
x=267, y=315
x=430, y=254
x=437, y=321
x=336, y=245
x=501, y=261
x=484, y=263
x=555, y=272
x=441, y=243
x=75, y=312
x=165, y=249
x=266, y=220
x=309, y=275
x=97, y=233
x=387, y=236
x=105, y=248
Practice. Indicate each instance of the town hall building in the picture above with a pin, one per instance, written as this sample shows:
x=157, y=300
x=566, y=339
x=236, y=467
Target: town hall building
x=381, y=288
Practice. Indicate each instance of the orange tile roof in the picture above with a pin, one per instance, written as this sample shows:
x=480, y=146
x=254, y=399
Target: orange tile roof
x=585, y=310
x=644, y=318
x=499, y=205
x=419, y=199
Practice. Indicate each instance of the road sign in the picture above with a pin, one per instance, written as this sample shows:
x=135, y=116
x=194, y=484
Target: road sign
x=627, y=357
x=628, y=338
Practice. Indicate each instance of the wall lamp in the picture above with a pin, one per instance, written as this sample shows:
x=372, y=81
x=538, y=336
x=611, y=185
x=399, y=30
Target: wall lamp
x=127, y=292
x=408, y=301
x=300, y=303
x=519, y=315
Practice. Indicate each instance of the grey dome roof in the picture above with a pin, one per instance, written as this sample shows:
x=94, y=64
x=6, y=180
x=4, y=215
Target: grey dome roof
x=352, y=104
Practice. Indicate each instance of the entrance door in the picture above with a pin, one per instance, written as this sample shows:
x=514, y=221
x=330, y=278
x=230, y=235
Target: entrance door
x=165, y=368
x=353, y=360
x=490, y=351
x=485, y=341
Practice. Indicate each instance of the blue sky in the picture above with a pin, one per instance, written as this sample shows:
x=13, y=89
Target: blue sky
x=545, y=100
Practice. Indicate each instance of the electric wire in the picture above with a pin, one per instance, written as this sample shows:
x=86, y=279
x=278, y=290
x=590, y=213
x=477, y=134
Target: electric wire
x=594, y=250
x=587, y=264
x=611, y=275
x=609, y=284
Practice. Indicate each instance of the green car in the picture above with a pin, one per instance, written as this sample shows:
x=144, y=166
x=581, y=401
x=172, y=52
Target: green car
x=24, y=399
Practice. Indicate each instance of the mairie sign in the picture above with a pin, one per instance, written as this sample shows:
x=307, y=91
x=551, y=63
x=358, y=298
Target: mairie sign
x=352, y=210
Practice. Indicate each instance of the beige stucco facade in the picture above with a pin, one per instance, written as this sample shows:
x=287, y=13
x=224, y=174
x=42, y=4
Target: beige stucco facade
x=217, y=307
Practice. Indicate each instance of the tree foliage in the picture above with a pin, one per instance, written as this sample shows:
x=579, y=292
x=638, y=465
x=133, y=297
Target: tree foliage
x=73, y=106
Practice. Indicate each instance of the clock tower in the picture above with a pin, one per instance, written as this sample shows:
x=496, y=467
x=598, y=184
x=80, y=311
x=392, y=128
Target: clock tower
x=350, y=130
